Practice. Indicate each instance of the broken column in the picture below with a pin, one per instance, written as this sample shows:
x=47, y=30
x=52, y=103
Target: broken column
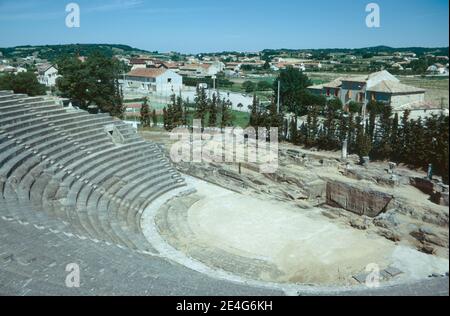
x=365, y=161
x=430, y=172
x=344, y=149
x=392, y=167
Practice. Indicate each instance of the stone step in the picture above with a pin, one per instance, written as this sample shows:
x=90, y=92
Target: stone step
x=20, y=101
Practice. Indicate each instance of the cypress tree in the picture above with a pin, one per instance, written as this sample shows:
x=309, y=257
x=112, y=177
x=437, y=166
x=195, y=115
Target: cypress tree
x=145, y=114
x=293, y=131
x=405, y=138
x=165, y=119
x=395, y=139
x=363, y=140
x=213, y=111
x=201, y=104
x=155, y=118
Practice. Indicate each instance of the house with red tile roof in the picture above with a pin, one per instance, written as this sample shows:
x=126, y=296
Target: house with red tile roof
x=154, y=80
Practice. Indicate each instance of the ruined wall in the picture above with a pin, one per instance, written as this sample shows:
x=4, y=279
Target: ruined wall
x=357, y=200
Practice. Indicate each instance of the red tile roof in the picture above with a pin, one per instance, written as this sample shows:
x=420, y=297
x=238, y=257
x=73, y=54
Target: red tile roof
x=147, y=72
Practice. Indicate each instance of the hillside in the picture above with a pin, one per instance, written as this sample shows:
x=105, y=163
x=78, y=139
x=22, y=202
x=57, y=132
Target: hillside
x=52, y=52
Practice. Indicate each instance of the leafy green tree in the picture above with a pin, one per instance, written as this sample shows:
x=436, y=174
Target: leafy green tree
x=354, y=107
x=335, y=105
x=293, y=93
x=23, y=82
x=264, y=85
x=94, y=81
x=249, y=86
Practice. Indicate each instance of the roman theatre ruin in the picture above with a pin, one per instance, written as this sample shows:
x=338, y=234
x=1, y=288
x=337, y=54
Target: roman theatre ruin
x=88, y=189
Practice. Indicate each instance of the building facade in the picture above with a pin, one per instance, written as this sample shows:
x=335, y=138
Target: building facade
x=380, y=86
x=154, y=80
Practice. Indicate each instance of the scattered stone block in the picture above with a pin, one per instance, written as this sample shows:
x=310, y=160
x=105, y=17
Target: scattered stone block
x=393, y=272
x=360, y=201
x=361, y=278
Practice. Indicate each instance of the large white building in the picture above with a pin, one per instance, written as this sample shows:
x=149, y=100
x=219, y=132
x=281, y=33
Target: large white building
x=154, y=80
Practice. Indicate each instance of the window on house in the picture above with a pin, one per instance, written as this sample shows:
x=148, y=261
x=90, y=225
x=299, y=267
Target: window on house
x=328, y=92
x=336, y=93
x=169, y=80
x=361, y=97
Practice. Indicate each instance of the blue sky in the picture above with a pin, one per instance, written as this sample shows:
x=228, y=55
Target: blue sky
x=210, y=25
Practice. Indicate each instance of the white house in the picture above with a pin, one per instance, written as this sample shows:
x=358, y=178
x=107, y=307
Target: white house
x=47, y=74
x=438, y=69
x=154, y=80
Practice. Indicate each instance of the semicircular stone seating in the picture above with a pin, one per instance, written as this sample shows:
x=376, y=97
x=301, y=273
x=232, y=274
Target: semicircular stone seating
x=91, y=173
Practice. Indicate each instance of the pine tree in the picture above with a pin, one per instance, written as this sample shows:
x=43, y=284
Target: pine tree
x=201, y=104
x=213, y=111
x=255, y=113
x=395, y=139
x=314, y=129
x=227, y=117
x=383, y=138
x=375, y=108
x=363, y=140
x=405, y=139
x=177, y=111
x=342, y=129
x=302, y=135
x=293, y=131
x=442, y=148
x=274, y=119
x=154, y=118
x=351, y=132
x=145, y=114
x=165, y=119
x=185, y=113
x=418, y=143
x=170, y=117
x=327, y=136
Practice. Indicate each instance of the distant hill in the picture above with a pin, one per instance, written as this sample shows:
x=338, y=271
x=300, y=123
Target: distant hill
x=52, y=52
x=444, y=51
